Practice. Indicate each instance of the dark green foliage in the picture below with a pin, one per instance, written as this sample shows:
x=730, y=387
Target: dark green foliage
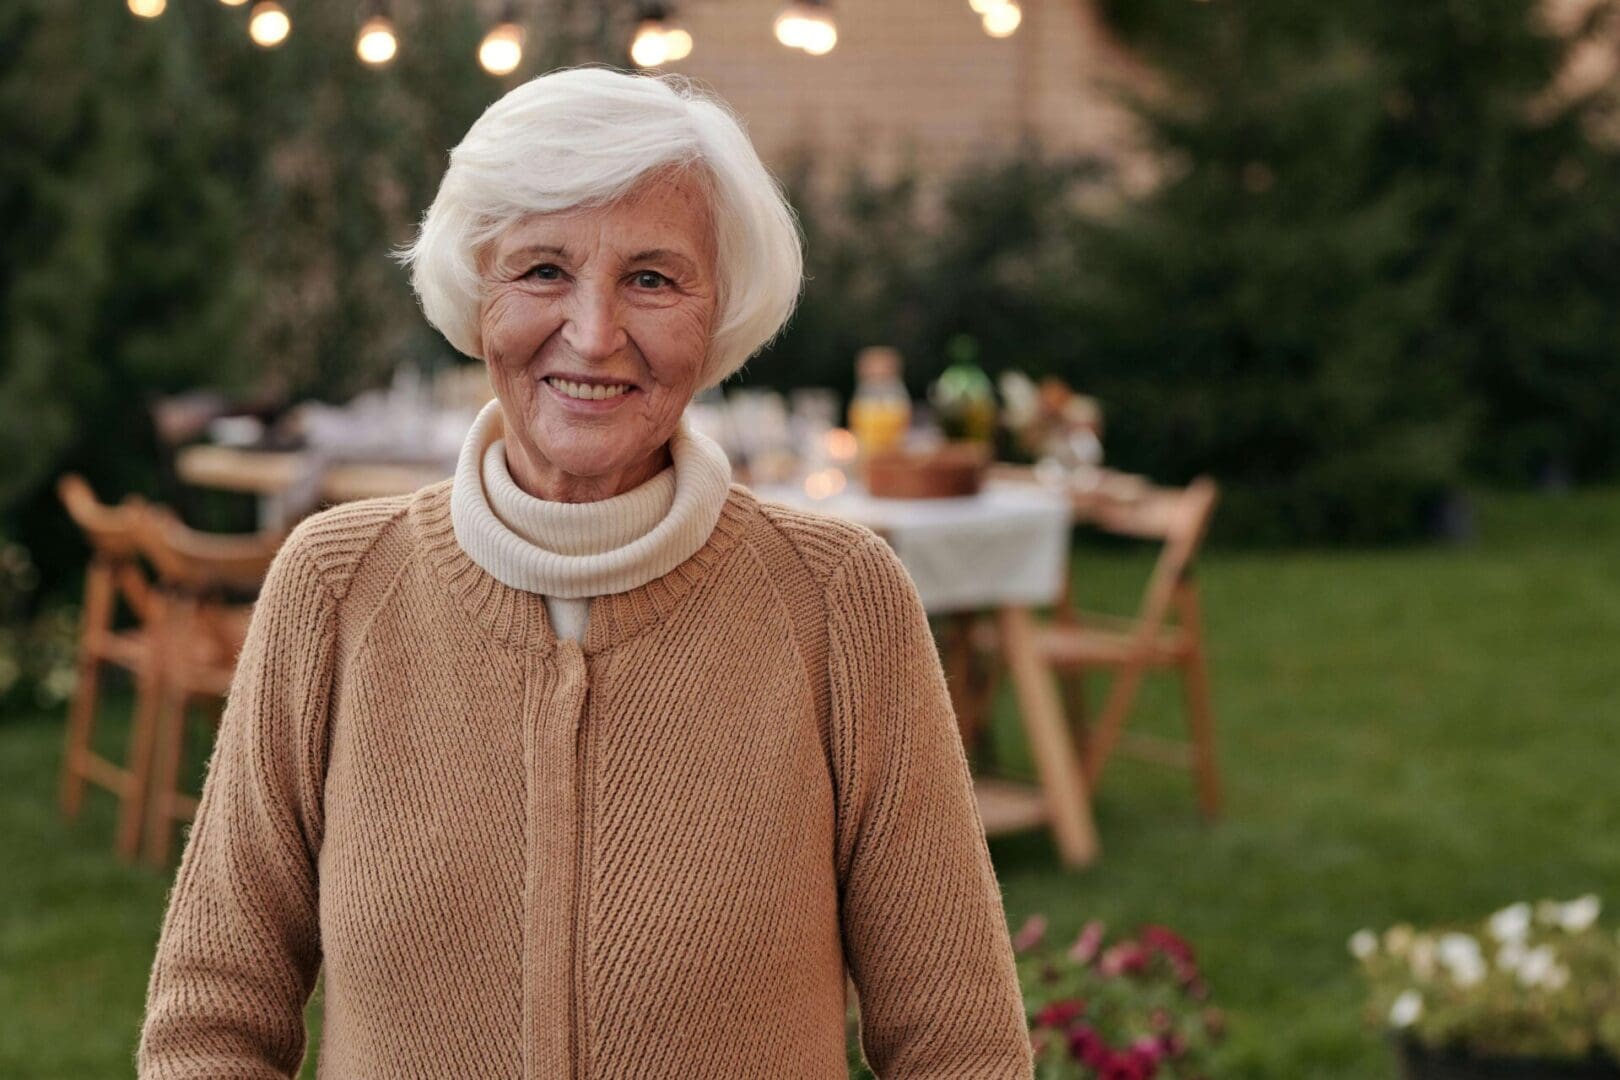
x=895, y=261
x=183, y=208
x=118, y=268
x=1374, y=264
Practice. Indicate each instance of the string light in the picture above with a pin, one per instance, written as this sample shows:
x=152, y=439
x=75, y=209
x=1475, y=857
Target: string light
x=679, y=42
x=376, y=44
x=268, y=24
x=147, y=9
x=807, y=25
x=501, y=51
x=233, y=3
x=658, y=39
x=1002, y=19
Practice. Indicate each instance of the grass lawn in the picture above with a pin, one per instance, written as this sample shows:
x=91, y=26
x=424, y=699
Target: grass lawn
x=1418, y=734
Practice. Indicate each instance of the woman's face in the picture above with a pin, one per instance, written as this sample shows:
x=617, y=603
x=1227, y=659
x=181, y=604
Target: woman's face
x=595, y=327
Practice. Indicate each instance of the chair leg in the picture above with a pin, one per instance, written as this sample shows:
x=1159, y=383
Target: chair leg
x=1200, y=717
x=1062, y=778
x=1127, y=681
x=169, y=742
x=1075, y=705
x=80, y=725
x=96, y=617
x=987, y=682
x=959, y=675
x=143, y=738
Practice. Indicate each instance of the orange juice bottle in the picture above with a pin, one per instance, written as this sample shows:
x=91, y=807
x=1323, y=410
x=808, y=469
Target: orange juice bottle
x=880, y=411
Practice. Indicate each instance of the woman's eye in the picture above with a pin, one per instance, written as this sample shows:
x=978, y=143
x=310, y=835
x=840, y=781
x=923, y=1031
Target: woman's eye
x=651, y=279
x=546, y=272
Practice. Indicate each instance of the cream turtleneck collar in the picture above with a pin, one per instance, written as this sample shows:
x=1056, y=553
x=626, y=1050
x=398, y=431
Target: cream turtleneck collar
x=568, y=552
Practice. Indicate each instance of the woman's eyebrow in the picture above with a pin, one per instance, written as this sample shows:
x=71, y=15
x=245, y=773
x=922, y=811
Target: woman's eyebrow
x=539, y=249
x=654, y=254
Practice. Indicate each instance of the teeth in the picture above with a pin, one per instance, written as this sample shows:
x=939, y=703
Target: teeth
x=588, y=391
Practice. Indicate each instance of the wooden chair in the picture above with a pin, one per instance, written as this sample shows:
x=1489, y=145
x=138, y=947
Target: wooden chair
x=200, y=629
x=1165, y=633
x=115, y=573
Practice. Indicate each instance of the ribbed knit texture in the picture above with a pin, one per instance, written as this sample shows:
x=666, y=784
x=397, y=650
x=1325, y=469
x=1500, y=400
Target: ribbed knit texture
x=650, y=853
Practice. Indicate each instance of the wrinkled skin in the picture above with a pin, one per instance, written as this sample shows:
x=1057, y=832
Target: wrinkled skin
x=567, y=295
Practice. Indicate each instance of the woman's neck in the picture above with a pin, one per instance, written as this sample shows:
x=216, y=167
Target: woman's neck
x=540, y=478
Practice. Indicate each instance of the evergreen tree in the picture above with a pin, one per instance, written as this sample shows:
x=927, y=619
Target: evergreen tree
x=119, y=274
x=1365, y=265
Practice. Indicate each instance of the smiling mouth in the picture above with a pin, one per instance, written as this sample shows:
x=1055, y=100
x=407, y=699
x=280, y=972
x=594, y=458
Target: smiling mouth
x=587, y=391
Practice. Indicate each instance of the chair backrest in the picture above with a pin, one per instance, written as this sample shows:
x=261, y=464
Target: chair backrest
x=1179, y=517
x=197, y=562
x=110, y=530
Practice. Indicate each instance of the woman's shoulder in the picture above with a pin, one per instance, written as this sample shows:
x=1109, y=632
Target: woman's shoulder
x=824, y=543
x=335, y=542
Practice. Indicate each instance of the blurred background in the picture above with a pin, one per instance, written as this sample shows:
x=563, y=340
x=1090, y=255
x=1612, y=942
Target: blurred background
x=1356, y=264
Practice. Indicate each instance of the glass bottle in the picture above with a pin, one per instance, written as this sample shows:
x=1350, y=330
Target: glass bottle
x=880, y=411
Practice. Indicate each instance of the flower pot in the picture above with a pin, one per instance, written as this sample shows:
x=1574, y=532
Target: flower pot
x=1418, y=1062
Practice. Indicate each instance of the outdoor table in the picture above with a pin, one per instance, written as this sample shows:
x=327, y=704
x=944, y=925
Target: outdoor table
x=1005, y=551
x=287, y=483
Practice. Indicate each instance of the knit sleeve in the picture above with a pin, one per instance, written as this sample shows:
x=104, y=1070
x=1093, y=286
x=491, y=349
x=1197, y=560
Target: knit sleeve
x=924, y=932
x=239, y=948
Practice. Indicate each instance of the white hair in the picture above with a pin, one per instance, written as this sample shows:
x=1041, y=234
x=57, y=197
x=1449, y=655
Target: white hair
x=584, y=136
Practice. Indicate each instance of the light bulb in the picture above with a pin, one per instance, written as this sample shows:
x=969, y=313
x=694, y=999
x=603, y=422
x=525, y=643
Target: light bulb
x=790, y=28
x=1001, y=20
x=268, y=24
x=650, y=48
x=679, y=43
x=147, y=9
x=982, y=7
x=820, y=35
x=502, y=49
x=376, y=44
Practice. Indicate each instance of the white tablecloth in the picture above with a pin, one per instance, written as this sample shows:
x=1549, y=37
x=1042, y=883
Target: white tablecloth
x=1006, y=546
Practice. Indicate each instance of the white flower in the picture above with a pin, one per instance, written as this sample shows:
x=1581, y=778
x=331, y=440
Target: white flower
x=1460, y=954
x=1468, y=971
x=1511, y=955
x=1537, y=966
x=1512, y=923
x=1406, y=1010
x=1578, y=915
x=1363, y=943
x=1455, y=947
x=1422, y=957
x=1397, y=939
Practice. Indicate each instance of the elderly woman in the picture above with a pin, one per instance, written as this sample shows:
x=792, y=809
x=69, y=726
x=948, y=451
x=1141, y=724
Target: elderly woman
x=587, y=762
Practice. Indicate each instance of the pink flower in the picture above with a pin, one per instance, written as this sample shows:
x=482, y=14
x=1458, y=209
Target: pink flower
x=1149, y=1048
x=1088, y=1048
x=1162, y=939
x=1128, y=1067
x=1029, y=935
x=1125, y=958
x=1060, y=1013
x=1085, y=946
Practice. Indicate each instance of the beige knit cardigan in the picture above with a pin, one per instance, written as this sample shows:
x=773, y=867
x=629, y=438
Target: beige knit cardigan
x=648, y=854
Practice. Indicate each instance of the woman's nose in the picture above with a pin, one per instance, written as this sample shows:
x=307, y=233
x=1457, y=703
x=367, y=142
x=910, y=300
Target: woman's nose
x=592, y=327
